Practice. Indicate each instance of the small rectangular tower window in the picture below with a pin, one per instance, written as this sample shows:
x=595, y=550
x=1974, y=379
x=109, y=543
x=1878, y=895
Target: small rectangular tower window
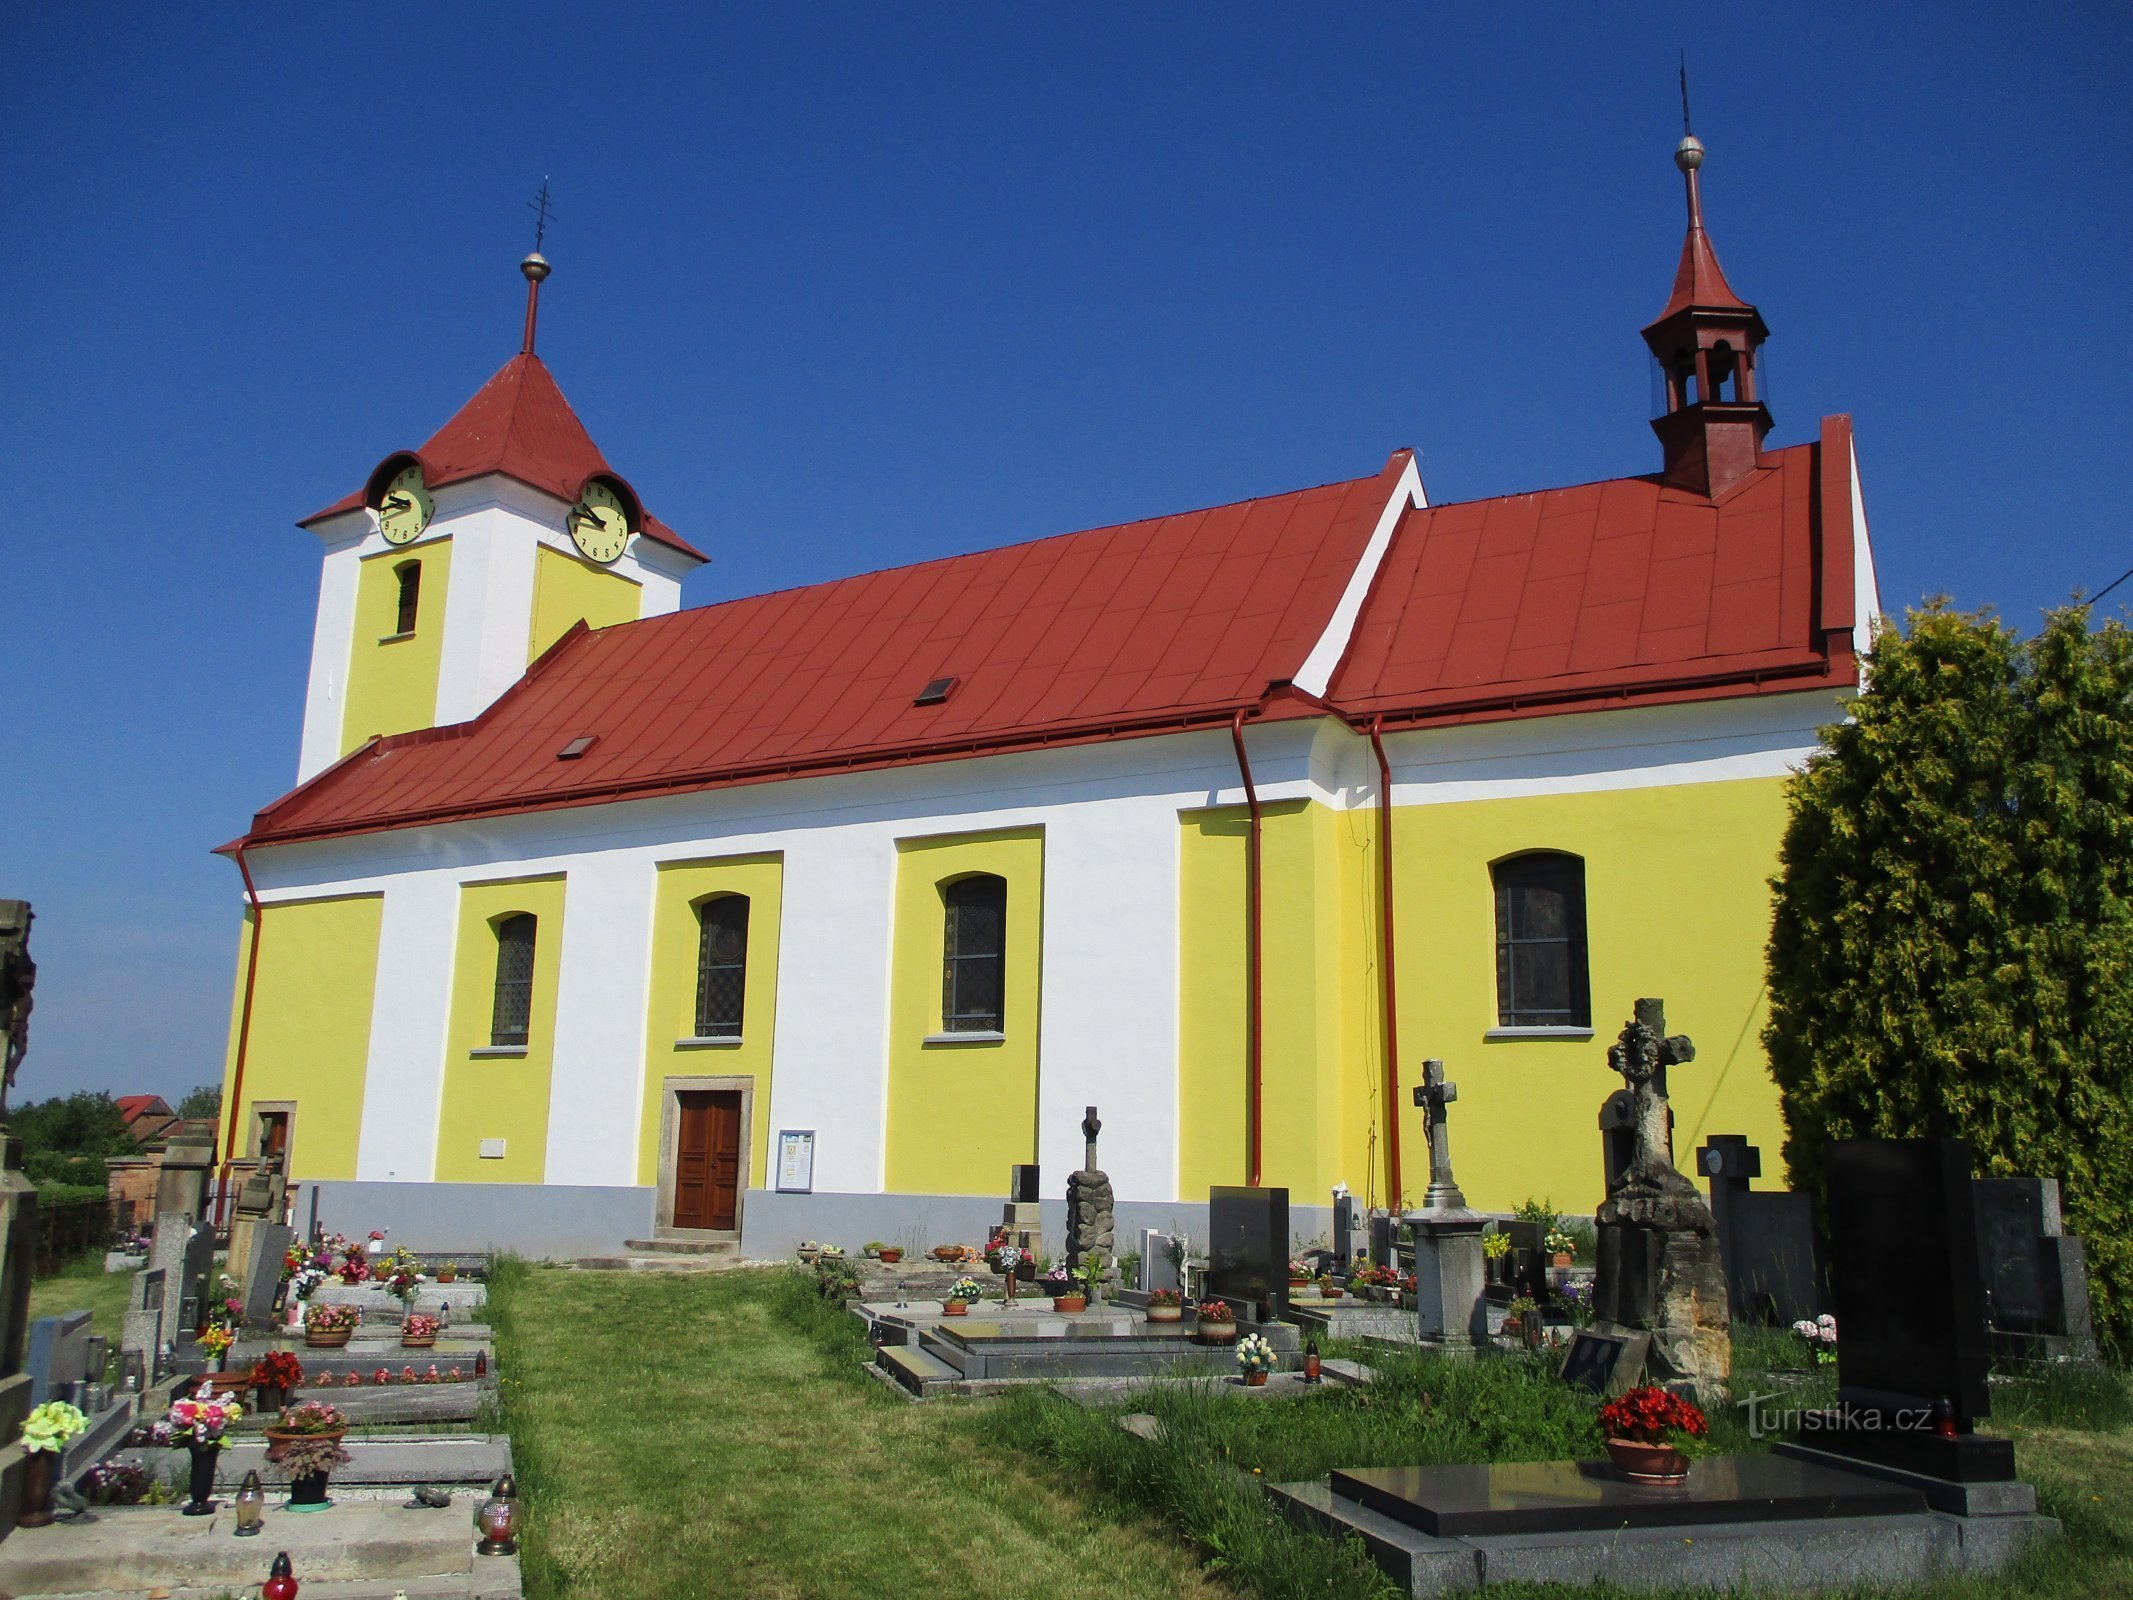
x=410, y=575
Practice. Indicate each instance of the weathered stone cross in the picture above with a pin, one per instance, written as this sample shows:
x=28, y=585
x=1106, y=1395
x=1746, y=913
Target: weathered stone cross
x=1091, y=1126
x=1642, y=1054
x=1434, y=1096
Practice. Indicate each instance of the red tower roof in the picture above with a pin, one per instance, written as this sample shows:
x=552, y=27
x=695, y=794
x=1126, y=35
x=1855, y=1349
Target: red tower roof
x=518, y=424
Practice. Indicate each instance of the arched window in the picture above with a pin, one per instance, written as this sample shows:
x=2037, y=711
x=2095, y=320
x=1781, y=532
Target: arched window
x=721, y=965
x=1541, y=979
x=410, y=575
x=513, y=1010
x=974, y=954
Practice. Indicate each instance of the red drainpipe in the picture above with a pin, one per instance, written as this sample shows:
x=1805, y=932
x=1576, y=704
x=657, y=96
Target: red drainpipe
x=244, y=1036
x=1251, y=963
x=1392, y=998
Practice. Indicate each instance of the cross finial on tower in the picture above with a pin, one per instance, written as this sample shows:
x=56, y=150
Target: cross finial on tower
x=535, y=266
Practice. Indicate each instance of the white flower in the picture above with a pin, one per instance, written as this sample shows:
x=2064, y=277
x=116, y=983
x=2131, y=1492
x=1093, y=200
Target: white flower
x=1805, y=1329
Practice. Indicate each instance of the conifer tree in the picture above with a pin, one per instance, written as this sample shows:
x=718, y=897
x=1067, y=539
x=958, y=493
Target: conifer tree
x=1952, y=950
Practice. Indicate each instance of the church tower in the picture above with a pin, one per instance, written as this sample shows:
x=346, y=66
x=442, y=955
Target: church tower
x=457, y=564
x=1706, y=342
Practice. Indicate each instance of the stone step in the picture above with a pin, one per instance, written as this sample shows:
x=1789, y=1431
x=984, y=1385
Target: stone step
x=914, y=1368
x=659, y=1263
x=952, y=1356
x=359, y=1548
x=682, y=1247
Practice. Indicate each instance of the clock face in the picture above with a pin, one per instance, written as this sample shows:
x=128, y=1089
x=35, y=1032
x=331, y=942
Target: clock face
x=598, y=525
x=404, y=510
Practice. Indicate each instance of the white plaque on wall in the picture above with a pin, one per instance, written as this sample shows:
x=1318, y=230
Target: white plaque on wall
x=796, y=1161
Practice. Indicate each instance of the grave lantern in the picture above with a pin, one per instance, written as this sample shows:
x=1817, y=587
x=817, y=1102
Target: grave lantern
x=281, y=1580
x=251, y=1504
x=497, y=1518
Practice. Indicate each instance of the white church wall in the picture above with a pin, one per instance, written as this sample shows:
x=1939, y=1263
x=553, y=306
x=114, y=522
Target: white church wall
x=331, y=635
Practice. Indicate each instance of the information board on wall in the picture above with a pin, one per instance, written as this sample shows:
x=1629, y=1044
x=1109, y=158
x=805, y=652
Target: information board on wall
x=796, y=1161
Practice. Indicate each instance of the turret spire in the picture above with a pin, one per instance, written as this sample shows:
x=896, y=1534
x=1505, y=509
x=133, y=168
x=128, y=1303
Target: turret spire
x=535, y=266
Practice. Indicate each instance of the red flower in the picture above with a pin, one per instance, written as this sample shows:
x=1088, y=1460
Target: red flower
x=1648, y=1415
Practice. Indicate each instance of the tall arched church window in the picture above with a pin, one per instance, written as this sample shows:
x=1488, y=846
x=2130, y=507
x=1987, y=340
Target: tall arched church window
x=1541, y=978
x=721, y=965
x=974, y=955
x=512, y=1013
x=410, y=604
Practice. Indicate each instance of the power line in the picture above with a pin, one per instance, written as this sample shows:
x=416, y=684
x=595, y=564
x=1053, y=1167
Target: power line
x=2107, y=588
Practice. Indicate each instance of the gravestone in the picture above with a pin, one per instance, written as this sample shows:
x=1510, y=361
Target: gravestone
x=58, y=1355
x=1765, y=1237
x=1023, y=1183
x=1659, y=1269
x=18, y=1204
x=1021, y=1221
x=2036, y=1276
x=141, y=1333
x=1344, y=1226
x=1381, y=1239
x=1910, y=1307
x=1090, y=1210
x=1248, y=1248
x=262, y=1201
x=1158, y=1271
x=262, y=1272
x=1451, y=1273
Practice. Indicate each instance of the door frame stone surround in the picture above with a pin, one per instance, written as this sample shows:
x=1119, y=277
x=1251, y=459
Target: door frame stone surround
x=670, y=1092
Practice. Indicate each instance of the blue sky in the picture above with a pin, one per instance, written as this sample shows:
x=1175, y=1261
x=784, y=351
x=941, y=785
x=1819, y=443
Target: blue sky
x=840, y=287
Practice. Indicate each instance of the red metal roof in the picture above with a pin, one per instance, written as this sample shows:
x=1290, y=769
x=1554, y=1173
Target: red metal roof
x=1699, y=280
x=1146, y=627
x=1566, y=599
x=518, y=424
x=1611, y=591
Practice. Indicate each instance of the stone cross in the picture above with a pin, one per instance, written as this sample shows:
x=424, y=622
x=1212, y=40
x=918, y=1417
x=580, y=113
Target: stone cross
x=1435, y=1096
x=1091, y=1126
x=1642, y=1054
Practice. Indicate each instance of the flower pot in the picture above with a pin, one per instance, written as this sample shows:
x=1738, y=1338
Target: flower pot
x=1166, y=1313
x=955, y=1308
x=1298, y=1285
x=1070, y=1302
x=269, y=1397
x=447, y=1274
x=1255, y=1380
x=39, y=1467
x=1562, y=1258
x=1635, y=1462
x=328, y=1338
x=1331, y=1293
x=1216, y=1333
x=279, y=1439
x=891, y=1257
x=417, y=1341
x=200, y=1484
x=308, y=1490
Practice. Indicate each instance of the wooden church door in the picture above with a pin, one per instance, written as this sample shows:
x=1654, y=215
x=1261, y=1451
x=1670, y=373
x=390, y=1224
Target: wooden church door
x=707, y=1159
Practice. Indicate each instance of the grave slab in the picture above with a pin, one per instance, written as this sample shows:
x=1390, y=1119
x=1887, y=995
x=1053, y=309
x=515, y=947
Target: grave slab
x=452, y=1459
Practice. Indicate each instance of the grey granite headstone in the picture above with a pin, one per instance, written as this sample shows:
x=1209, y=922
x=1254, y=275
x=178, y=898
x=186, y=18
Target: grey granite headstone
x=1381, y=1239
x=1248, y=1247
x=1158, y=1271
x=1345, y=1214
x=1766, y=1237
x=262, y=1273
x=58, y=1354
x=2035, y=1276
x=141, y=1334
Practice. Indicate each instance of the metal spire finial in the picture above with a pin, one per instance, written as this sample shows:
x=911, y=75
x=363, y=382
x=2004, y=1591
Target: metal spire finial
x=1688, y=155
x=535, y=266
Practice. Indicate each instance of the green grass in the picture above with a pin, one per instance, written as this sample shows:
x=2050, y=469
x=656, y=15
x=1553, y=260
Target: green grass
x=711, y=1435
x=84, y=1285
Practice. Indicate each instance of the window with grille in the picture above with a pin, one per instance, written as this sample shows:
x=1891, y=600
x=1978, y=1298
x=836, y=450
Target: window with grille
x=410, y=575
x=513, y=1011
x=1541, y=979
x=974, y=965
x=721, y=966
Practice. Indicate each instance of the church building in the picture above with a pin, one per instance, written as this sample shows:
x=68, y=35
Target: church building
x=592, y=918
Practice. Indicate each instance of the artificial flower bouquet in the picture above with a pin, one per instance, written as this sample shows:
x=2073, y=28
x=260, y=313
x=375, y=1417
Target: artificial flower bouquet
x=965, y=1290
x=419, y=1325
x=1254, y=1354
x=216, y=1340
x=1495, y=1245
x=204, y=1419
x=277, y=1369
x=1821, y=1337
x=1649, y=1415
x=1216, y=1311
x=52, y=1427
x=1561, y=1243
x=320, y=1318
x=1165, y=1297
x=313, y=1416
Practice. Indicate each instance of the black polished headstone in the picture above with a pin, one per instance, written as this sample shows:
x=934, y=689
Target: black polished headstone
x=1248, y=1247
x=1345, y=1213
x=1022, y=1185
x=1585, y=1496
x=1903, y=1272
x=1765, y=1237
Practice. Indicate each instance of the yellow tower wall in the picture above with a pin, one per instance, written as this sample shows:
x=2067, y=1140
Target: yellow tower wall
x=392, y=677
x=490, y=1094
x=960, y=1114
x=310, y=1033
x=567, y=590
x=672, y=1015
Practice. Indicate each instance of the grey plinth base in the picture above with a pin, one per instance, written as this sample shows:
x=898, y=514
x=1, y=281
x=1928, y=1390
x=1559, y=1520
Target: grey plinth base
x=1781, y=1557
x=1451, y=1309
x=1997, y=1499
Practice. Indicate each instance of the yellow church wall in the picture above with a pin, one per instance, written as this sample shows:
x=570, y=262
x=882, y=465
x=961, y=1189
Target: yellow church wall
x=681, y=888
x=490, y=1094
x=567, y=590
x=962, y=1113
x=392, y=678
x=1677, y=906
x=310, y=1032
x=1321, y=1033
